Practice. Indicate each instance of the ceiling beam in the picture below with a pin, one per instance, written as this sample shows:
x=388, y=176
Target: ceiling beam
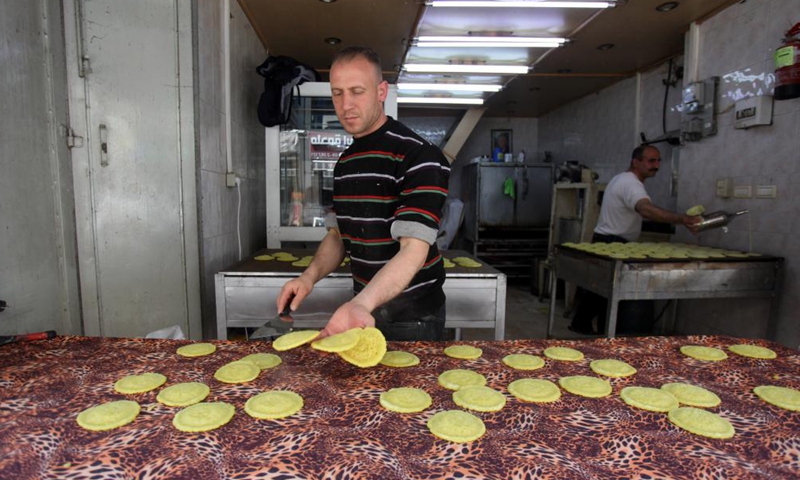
x=462, y=133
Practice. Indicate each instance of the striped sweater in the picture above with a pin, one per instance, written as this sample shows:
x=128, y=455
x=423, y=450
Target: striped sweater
x=391, y=184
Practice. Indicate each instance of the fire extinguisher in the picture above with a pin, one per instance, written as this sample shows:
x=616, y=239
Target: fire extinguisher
x=787, y=66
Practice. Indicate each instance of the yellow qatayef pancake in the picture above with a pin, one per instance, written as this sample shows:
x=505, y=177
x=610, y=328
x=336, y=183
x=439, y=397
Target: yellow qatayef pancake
x=399, y=359
x=480, y=399
x=140, y=383
x=292, y=340
x=263, y=258
x=456, y=426
x=183, y=394
x=107, y=416
x=648, y=398
x=534, y=390
x=591, y=387
x=448, y=263
x=612, y=368
x=339, y=342
x=369, y=350
x=287, y=258
x=692, y=395
x=459, y=378
x=237, y=372
x=303, y=262
x=405, y=400
x=523, y=361
x=786, y=398
x=263, y=360
x=466, y=262
x=753, y=351
x=196, y=349
x=701, y=422
x=466, y=352
x=563, y=353
x=202, y=417
x=696, y=210
x=273, y=405
x=704, y=353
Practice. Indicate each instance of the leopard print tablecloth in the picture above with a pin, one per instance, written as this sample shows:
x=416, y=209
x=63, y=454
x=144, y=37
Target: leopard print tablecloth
x=342, y=432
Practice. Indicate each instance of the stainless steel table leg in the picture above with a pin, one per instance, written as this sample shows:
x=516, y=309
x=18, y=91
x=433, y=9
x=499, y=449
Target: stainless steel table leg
x=553, y=286
x=222, y=311
x=673, y=317
x=611, y=323
x=772, y=322
x=613, y=302
x=500, y=310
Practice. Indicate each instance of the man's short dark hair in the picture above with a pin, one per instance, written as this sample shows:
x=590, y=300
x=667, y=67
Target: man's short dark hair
x=638, y=152
x=355, y=51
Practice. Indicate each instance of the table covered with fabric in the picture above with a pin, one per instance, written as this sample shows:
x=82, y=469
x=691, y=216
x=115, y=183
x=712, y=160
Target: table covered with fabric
x=343, y=432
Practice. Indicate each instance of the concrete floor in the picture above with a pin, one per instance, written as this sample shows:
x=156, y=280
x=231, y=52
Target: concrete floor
x=526, y=317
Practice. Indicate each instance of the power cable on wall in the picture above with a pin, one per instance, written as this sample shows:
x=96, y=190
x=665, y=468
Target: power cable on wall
x=667, y=84
x=238, y=214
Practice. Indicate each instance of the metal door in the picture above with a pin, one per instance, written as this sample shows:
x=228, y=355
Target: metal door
x=496, y=205
x=134, y=176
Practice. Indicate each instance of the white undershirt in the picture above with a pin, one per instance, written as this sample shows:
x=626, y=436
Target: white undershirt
x=618, y=214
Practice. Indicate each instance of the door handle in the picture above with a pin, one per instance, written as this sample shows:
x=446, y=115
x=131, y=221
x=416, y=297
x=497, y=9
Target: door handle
x=103, y=145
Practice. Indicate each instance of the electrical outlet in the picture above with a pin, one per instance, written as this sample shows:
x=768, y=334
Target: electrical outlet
x=742, y=191
x=766, y=191
x=724, y=187
x=230, y=179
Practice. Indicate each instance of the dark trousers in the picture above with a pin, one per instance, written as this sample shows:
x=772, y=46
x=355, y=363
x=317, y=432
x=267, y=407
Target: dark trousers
x=591, y=304
x=425, y=328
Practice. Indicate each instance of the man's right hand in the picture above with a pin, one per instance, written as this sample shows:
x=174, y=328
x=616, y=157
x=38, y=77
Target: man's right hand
x=691, y=222
x=294, y=291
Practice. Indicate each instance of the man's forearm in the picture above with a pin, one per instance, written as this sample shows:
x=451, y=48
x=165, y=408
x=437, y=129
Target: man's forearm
x=656, y=214
x=394, y=277
x=328, y=256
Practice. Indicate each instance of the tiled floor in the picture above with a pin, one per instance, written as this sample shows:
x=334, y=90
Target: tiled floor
x=526, y=317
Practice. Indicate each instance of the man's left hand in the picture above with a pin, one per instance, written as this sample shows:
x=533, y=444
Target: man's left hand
x=349, y=315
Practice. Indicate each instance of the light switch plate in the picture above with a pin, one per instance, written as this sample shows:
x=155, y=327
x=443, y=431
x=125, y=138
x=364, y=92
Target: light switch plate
x=766, y=191
x=742, y=191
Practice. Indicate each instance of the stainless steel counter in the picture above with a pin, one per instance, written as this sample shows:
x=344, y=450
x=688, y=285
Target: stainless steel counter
x=652, y=279
x=246, y=294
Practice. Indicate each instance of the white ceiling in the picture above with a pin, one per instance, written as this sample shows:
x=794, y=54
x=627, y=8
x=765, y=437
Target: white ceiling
x=642, y=37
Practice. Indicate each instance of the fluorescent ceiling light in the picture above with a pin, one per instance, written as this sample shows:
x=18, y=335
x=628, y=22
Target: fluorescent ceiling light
x=442, y=100
x=487, y=39
x=450, y=68
x=450, y=87
x=518, y=4
x=487, y=45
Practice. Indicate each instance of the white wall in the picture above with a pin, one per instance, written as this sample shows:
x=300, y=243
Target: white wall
x=738, y=45
x=219, y=203
x=38, y=273
x=524, y=137
x=601, y=130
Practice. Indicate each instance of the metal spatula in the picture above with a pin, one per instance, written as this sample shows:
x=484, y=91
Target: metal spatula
x=275, y=327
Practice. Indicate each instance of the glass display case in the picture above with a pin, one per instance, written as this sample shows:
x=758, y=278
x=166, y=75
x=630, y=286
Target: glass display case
x=300, y=157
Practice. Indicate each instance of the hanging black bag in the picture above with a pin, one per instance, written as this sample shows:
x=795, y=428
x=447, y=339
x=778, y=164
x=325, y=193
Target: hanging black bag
x=281, y=75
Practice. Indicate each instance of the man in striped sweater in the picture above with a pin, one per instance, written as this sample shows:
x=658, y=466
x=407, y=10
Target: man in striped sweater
x=389, y=189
